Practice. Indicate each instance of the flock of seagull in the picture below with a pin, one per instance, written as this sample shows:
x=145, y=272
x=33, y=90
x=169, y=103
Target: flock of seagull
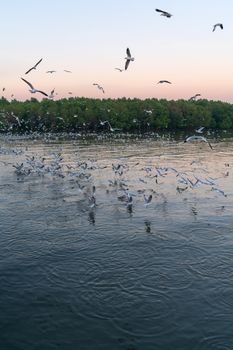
x=128, y=60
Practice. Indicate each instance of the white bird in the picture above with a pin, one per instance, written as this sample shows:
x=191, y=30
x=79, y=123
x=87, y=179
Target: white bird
x=164, y=13
x=33, y=90
x=197, y=138
x=52, y=93
x=200, y=130
x=164, y=81
x=34, y=67
x=192, y=98
x=99, y=87
x=220, y=25
x=147, y=200
x=128, y=58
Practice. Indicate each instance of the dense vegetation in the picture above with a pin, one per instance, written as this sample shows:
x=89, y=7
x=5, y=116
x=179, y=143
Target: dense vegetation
x=128, y=115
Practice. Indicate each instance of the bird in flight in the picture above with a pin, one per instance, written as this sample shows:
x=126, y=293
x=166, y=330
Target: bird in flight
x=164, y=13
x=34, y=67
x=197, y=138
x=220, y=25
x=51, y=71
x=200, y=130
x=120, y=70
x=128, y=58
x=67, y=71
x=194, y=97
x=52, y=94
x=99, y=87
x=164, y=81
x=33, y=90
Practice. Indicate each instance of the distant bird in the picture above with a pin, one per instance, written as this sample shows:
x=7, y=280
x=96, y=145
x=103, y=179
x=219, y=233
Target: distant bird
x=164, y=13
x=147, y=200
x=52, y=94
x=220, y=25
x=99, y=87
x=197, y=138
x=70, y=92
x=51, y=71
x=67, y=71
x=192, y=98
x=33, y=90
x=3, y=89
x=128, y=58
x=120, y=70
x=200, y=130
x=164, y=81
x=34, y=67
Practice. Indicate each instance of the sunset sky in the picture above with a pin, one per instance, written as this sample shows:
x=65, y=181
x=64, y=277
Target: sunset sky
x=90, y=39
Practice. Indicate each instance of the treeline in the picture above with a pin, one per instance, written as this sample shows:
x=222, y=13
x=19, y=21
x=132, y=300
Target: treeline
x=127, y=115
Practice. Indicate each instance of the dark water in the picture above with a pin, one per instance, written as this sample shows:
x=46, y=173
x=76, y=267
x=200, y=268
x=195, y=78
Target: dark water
x=116, y=276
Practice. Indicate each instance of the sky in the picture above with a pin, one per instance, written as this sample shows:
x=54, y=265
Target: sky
x=90, y=37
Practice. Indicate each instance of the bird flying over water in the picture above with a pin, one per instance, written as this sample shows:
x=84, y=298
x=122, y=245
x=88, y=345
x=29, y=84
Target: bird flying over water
x=33, y=90
x=164, y=81
x=220, y=25
x=99, y=87
x=197, y=138
x=164, y=13
x=34, y=67
x=128, y=58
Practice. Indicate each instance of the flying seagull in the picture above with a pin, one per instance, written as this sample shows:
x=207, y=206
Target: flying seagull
x=164, y=13
x=220, y=25
x=194, y=97
x=99, y=87
x=34, y=67
x=51, y=71
x=67, y=71
x=197, y=138
x=33, y=90
x=128, y=58
x=164, y=81
x=200, y=130
x=52, y=94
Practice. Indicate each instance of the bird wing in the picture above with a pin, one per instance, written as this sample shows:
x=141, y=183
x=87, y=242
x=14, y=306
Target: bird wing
x=29, y=70
x=27, y=82
x=38, y=62
x=127, y=64
x=42, y=92
x=221, y=26
x=158, y=10
x=128, y=52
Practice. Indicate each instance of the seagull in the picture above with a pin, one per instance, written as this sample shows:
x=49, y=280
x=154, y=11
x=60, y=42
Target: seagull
x=200, y=130
x=147, y=200
x=33, y=90
x=128, y=58
x=99, y=87
x=194, y=97
x=52, y=93
x=120, y=70
x=220, y=25
x=164, y=13
x=67, y=71
x=197, y=138
x=164, y=81
x=34, y=67
x=51, y=71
